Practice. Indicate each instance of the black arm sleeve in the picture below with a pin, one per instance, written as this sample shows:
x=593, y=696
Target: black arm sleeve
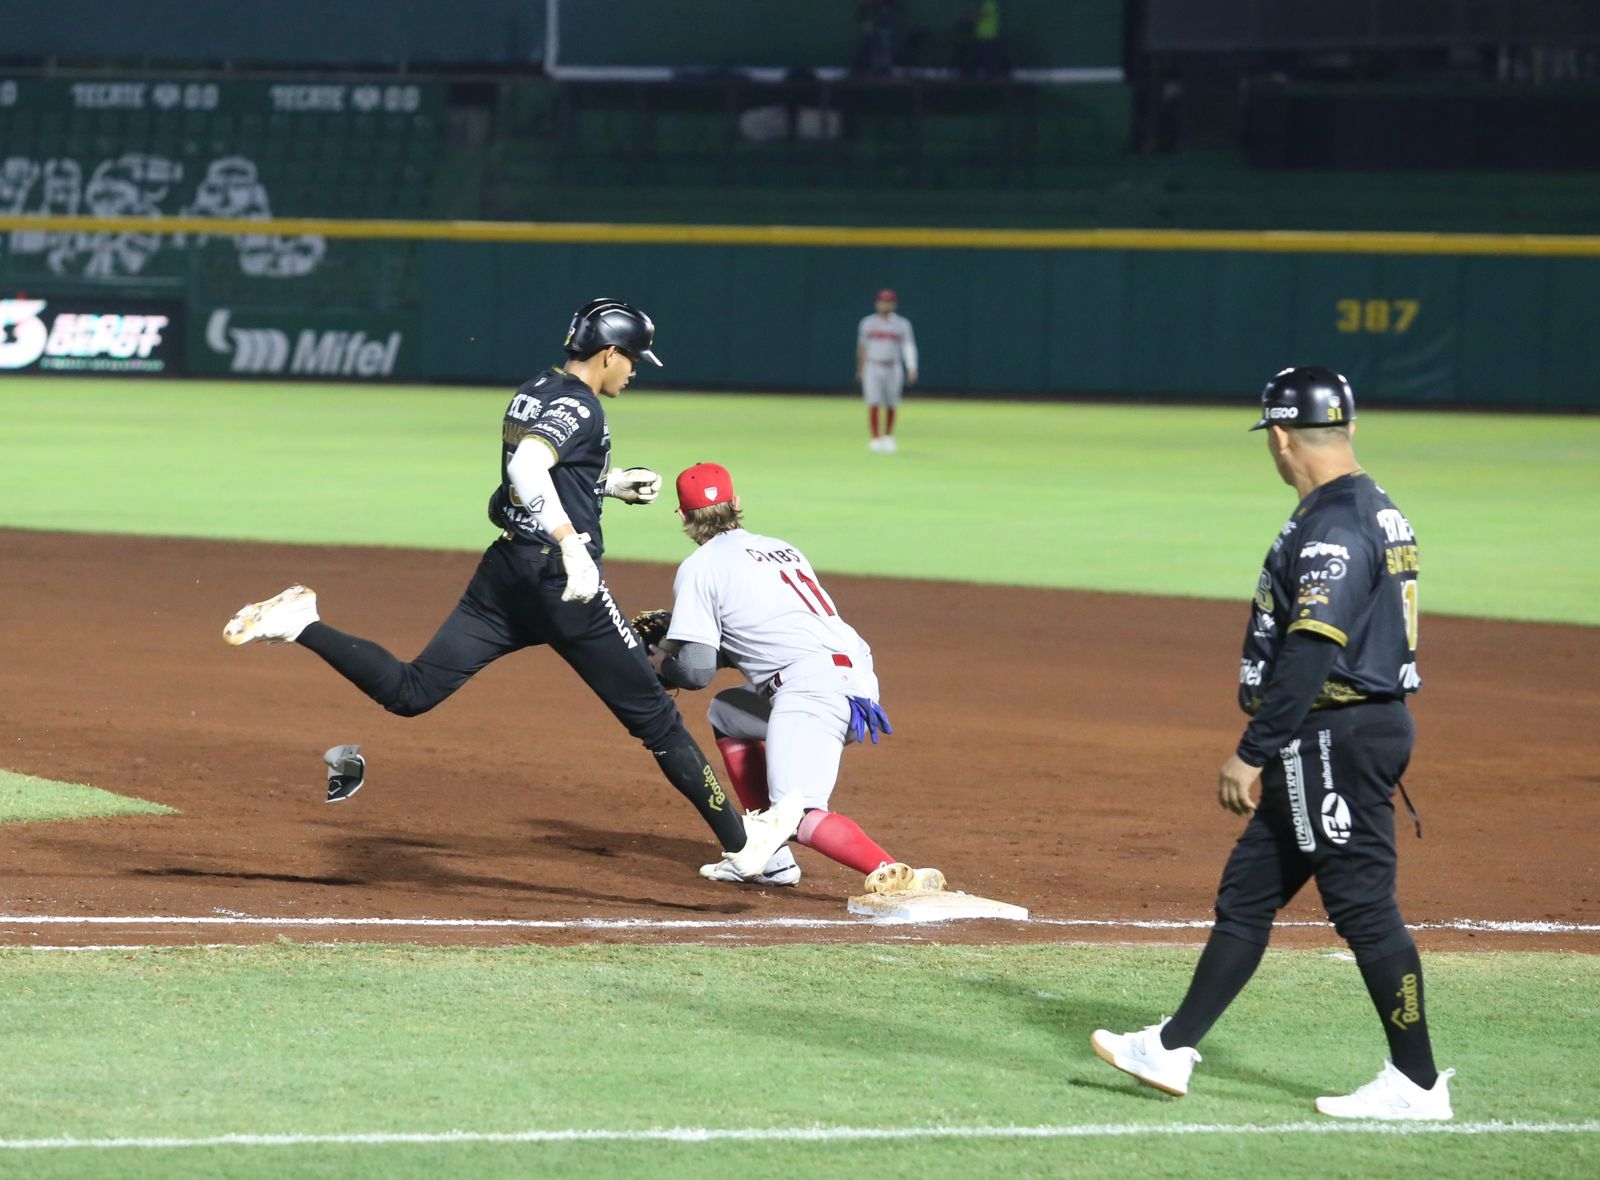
x=691, y=666
x=1298, y=675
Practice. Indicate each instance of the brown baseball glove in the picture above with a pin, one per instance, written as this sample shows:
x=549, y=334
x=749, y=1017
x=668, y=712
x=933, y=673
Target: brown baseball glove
x=651, y=626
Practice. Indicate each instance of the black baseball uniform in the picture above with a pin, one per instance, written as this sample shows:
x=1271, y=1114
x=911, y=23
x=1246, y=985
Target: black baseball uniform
x=514, y=601
x=1329, y=658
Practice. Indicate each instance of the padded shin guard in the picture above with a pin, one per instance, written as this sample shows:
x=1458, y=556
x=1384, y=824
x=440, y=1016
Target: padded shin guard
x=840, y=838
x=687, y=769
x=747, y=771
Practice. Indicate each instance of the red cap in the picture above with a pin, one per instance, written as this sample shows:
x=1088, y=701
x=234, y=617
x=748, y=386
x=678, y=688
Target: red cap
x=703, y=485
x=888, y=294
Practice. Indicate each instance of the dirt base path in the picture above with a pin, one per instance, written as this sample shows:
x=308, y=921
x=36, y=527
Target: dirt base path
x=1053, y=749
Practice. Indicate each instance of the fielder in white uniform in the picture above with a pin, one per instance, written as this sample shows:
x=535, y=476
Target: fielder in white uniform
x=886, y=362
x=754, y=603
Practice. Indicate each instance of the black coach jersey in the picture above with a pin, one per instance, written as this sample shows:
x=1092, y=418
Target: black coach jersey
x=1344, y=566
x=561, y=411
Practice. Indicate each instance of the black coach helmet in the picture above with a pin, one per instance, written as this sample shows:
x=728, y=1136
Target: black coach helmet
x=1308, y=396
x=611, y=323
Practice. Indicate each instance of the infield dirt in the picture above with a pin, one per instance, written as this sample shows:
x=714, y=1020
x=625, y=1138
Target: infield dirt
x=1055, y=749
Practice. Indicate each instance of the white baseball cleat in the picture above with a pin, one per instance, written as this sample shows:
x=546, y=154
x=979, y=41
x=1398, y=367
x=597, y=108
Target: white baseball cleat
x=764, y=833
x=1393, y=1097
x=1144, y=1056
x=889, y=446
x=781, y=870
x=279, y=619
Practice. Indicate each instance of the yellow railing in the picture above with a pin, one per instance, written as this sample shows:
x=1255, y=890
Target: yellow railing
x=1270, y=241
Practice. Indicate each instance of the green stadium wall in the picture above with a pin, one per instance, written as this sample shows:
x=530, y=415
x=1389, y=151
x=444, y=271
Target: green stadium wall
x=1415, y=329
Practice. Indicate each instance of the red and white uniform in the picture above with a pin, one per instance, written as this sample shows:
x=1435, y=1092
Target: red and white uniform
x=889, y=350
x=758, y=601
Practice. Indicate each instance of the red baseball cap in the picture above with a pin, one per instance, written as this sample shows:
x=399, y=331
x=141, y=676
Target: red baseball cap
x=703, y=485
x=888, y=294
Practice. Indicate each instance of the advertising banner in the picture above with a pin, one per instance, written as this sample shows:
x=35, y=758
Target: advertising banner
x=289, y=342
x=287, y=96
x=90, y=335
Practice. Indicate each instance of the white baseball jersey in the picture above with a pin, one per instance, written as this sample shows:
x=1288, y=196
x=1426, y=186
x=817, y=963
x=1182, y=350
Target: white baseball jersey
x=887, y=340
x=758, y=600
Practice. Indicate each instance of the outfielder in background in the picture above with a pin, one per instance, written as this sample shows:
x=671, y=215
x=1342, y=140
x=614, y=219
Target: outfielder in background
x=886, y=362
x=754, y=603
x=1330, y=655
x=540, y=582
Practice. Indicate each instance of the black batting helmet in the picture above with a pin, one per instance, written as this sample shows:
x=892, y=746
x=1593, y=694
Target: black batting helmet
x=611, y=323
x=1308, y=396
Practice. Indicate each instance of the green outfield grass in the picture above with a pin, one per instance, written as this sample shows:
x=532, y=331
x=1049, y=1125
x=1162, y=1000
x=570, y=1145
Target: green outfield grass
x=26, y=799
x=1127, y=498
x=283, y=1040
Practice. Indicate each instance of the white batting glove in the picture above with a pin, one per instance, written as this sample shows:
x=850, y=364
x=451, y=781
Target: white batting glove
x=583, y=576
x=633, y=485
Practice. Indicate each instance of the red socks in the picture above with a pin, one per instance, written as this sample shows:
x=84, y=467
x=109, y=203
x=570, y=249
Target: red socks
x=872, y=417
x=747, y=771
x=889, y=416
x=835, y=836
x=840, y=838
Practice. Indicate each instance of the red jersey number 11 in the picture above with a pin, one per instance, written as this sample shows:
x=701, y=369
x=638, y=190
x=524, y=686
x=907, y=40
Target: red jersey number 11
x=816, y=591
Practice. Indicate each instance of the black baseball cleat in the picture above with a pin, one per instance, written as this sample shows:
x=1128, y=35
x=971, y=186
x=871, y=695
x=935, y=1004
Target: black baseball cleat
x=347, y=770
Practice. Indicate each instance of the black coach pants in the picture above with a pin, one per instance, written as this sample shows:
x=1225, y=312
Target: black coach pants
x=1326, y=811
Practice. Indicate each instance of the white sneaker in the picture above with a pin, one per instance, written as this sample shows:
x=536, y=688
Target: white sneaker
x=875, y=445
x=764, y=833
x=1393, y=1097
x=279, y=619
x=1144, y=1056
x=781, y=870
x=889, y=446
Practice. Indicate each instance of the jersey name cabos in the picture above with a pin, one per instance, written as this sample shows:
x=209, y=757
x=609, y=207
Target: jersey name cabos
x=758, y=600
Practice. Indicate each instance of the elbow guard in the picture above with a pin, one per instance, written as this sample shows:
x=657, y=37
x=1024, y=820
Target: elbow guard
x=529, y=473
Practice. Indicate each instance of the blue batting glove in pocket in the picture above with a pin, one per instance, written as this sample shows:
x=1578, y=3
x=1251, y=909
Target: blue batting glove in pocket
x=868, y=717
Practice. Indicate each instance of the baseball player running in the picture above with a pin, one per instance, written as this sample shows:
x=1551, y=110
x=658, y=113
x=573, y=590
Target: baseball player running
x=1330, y=655
x=540, y=582
x=886, y=362
x=757, y=601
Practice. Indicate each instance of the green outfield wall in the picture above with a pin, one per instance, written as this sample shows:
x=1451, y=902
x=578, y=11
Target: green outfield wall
x=1408, y=328
x=1495, y=320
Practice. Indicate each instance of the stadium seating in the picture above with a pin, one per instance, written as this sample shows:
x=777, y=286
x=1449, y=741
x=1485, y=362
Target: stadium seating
x=349, y=165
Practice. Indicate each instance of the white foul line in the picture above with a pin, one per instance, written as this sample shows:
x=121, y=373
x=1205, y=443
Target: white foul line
x=1478, y=925
x=809, y=1134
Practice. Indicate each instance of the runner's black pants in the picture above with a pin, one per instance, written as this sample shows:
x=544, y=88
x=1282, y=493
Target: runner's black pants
x=514, y=602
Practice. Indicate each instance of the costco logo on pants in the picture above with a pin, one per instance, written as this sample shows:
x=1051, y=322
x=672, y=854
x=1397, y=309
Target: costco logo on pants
x=328, y=353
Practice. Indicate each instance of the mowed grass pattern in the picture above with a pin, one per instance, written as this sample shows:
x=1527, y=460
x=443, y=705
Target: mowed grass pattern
x=314, y=1040
x=1134, y=498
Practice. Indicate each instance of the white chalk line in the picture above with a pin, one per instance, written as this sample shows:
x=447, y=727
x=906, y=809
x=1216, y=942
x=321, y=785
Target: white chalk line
x=1475, y=925
x=801, y=1134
